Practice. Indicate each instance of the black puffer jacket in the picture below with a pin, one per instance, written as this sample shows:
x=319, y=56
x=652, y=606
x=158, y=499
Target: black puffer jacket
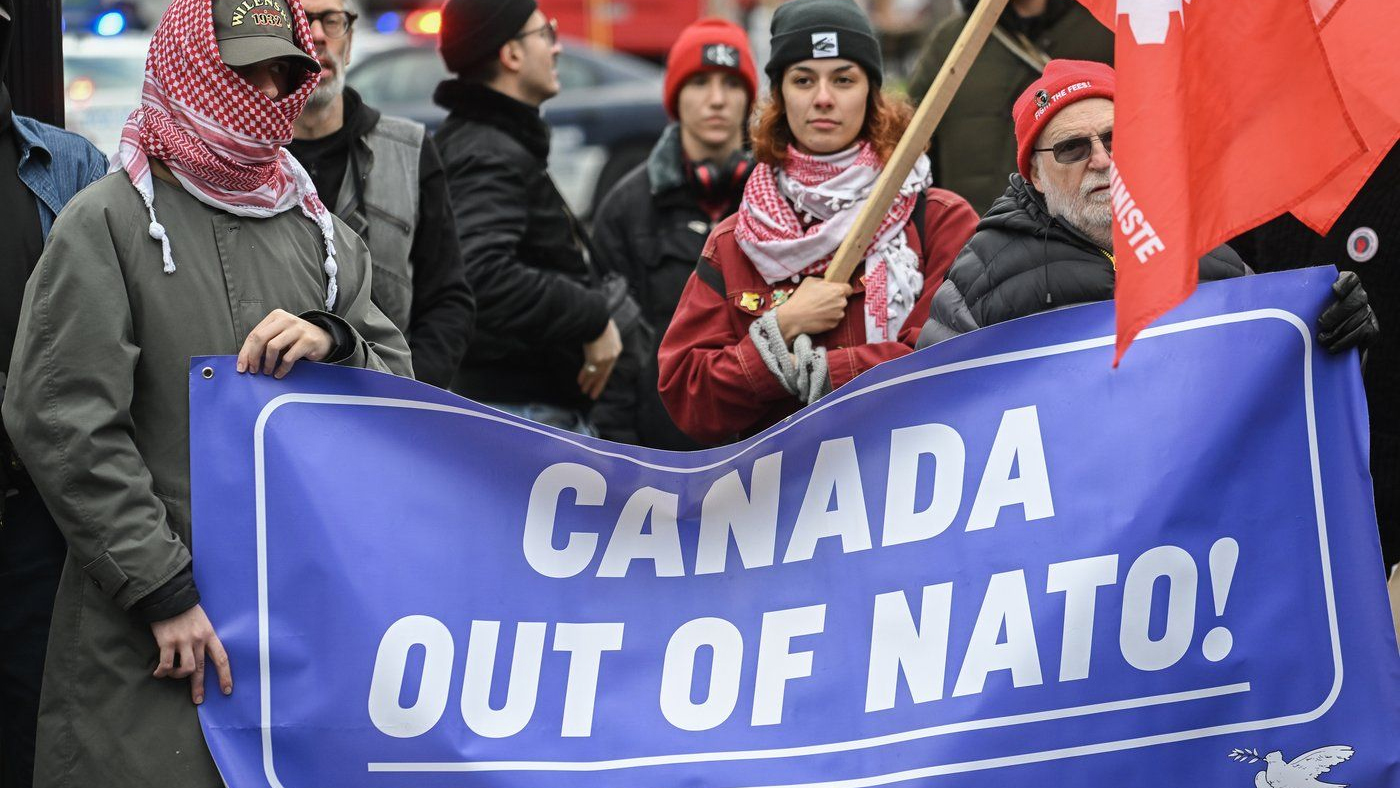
x=536, y=301
x=651, y=229
x=1022, y=261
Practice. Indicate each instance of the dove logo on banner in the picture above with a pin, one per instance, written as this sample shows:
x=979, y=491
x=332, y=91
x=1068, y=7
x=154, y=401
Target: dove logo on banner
x=1301, y=772
x=998, y=561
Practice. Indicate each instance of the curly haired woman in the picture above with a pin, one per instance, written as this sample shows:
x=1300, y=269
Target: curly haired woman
x=759, y=333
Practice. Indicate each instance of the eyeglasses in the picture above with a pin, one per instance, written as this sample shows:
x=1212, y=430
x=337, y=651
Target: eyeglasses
x=1077, y=149
x=335, y=23
x=550, y=30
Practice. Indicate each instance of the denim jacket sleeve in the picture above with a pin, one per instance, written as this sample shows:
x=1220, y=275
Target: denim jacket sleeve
x=55, y=165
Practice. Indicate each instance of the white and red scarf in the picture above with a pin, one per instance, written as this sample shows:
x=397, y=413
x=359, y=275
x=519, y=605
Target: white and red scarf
x=220, y=137
x=794, y=217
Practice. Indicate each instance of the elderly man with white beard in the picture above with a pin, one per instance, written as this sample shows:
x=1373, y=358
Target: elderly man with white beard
x=382, y=176
x=1048, y=241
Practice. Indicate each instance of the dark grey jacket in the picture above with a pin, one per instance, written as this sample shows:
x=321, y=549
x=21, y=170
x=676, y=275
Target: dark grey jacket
x=1022, y=261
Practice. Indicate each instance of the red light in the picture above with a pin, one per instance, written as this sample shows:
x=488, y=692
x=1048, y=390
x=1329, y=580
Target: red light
x=424, y=23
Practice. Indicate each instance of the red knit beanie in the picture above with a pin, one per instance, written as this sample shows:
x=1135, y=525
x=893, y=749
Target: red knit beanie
x=1063, y=83
x=708, y=45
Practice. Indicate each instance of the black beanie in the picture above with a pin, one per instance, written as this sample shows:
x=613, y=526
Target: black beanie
x=474, y=30
x=806, y=29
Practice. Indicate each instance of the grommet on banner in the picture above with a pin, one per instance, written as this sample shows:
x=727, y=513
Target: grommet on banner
x=208, y=373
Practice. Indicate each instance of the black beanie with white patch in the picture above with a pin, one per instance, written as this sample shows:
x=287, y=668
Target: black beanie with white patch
x=816, y=29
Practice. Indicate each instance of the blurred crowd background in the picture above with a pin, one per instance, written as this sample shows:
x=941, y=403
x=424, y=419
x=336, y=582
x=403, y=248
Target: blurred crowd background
x=604, y=123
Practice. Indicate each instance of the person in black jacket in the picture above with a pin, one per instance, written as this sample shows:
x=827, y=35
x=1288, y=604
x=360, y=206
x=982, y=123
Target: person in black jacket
x=383, y=177
x=1365, y=239
x=652, y=226
x=1048, y=241
x=545, y=343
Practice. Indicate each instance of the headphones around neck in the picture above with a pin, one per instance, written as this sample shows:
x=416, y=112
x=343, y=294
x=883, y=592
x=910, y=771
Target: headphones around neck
x=719, y=180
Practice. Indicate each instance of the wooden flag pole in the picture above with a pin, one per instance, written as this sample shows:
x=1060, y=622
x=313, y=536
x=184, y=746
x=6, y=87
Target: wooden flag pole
x=931, y=109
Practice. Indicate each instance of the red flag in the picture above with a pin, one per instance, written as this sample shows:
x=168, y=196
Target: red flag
x=1226, y=116
x=1359, y=37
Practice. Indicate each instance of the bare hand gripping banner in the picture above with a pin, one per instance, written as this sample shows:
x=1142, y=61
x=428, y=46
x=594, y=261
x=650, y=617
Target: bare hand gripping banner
x=996, y=562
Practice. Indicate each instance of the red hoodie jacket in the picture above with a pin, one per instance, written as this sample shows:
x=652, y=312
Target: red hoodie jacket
x=712, y=379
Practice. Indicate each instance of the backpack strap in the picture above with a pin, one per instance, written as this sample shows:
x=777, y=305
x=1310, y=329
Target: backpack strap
x=711, y=276
x=916, y=220
x=920, y=213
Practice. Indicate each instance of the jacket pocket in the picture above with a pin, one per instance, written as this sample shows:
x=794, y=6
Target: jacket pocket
x=403, y=224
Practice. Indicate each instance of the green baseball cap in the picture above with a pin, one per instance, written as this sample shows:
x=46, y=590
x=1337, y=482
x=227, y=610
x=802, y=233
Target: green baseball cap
x=250, y=31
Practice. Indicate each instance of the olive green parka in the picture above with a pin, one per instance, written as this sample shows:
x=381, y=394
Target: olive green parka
x=97, y=406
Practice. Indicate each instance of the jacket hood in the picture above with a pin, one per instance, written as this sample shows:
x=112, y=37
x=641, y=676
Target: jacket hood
x=359, y=116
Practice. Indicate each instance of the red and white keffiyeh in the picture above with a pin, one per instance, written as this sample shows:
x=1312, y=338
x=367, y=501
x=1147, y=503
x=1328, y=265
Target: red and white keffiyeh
x=827, y=192
x=221, y=137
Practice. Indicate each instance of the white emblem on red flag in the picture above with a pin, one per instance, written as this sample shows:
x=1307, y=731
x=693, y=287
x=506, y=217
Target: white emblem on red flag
x=1150, y=19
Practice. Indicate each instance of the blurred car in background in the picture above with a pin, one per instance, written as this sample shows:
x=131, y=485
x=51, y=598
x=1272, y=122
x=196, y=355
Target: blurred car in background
x=102, y=79
x=604, y=121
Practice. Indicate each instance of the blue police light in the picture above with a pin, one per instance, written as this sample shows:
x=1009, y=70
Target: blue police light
x=389, y=22
x=110, y=24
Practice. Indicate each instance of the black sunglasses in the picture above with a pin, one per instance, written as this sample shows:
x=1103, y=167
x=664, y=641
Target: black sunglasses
x=1077, y=149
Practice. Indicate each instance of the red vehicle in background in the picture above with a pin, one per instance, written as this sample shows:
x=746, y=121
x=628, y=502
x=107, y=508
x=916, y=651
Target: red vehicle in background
x=645, y=28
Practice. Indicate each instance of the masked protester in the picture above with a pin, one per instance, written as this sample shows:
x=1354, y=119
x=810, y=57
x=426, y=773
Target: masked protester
x=41, y=168
x=652, y=226
x=1048, y=241
x=383, y=176
x=207, y=239
x=759, y=333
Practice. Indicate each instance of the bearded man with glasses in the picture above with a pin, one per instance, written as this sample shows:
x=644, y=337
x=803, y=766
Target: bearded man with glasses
x=1047, y=242
x=383, y=177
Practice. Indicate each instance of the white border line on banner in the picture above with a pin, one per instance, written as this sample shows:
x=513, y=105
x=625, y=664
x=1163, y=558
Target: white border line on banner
x=264, y=646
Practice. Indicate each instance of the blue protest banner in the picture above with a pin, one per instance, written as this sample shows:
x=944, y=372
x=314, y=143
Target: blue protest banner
x=999, y=561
